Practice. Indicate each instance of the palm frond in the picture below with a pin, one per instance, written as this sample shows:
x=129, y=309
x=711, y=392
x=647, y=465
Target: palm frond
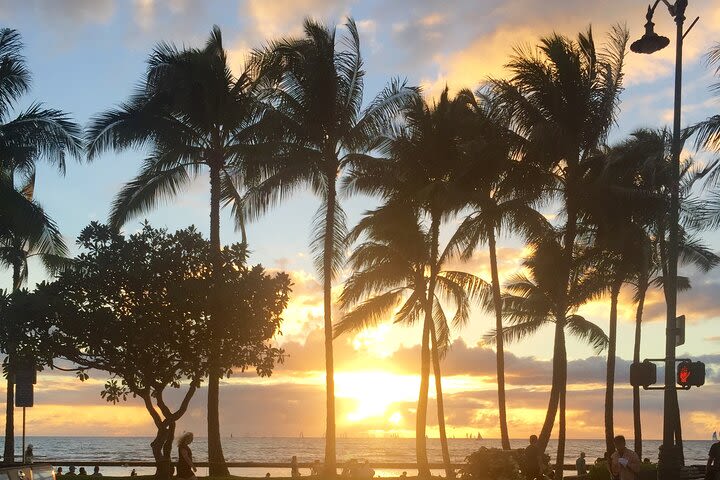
x=587, y=332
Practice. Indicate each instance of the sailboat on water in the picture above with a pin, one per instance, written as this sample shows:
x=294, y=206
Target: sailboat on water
x=714, y=436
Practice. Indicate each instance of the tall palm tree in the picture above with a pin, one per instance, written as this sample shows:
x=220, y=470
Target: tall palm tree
x=424, y=162
x=190, y=113
x=541, y=298
x=563, y=99
x=27, y=137
x=501, y=191
x=392, y=272
x=643, y=162
x=314, y=124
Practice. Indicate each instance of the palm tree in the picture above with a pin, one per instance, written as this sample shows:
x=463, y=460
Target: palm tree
x=500, y=193
x=314, y=124
x=563, y=98
x=541, y=298
x=392, y=273
x=34, y=134
x=425, y=162
x=191, y=113
x=642, y=164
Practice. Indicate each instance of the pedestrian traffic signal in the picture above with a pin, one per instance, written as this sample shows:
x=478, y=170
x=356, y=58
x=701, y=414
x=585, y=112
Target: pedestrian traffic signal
x=690, y=374
x=643, y=374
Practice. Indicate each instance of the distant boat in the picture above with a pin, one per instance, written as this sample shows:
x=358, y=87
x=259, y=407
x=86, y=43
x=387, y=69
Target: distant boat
x=479, y=437
x=714, y=436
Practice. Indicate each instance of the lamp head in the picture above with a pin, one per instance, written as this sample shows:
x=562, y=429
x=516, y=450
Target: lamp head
x=650, y=42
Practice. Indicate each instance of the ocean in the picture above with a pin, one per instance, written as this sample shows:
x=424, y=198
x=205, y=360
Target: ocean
x=277, y=449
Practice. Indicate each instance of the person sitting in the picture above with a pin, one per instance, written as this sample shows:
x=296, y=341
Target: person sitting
x=58, y=472
x=316, y=468
x=403, y=475
x=82, y=472
x=29, y=454
x=133, y=473
x=96, y=472
x=71, y=471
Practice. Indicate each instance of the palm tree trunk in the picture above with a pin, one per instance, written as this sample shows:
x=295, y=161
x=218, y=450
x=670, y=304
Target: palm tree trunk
x=9, y=449
x=449, y=470
x=551, y=413
x=610, y=372
x=421, y=416
x=216, y=459
x=637, y=423
x=560, y=458
x=328, y=255
x=421, y=419
x=499, y=348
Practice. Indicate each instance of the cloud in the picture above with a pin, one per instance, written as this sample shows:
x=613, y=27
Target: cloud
x=285, y=17
x=60, y=15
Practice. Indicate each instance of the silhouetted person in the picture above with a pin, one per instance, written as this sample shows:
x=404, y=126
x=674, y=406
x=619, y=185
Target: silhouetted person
x=58, y=472
x=713, y=463
x=83, y=472
x=185, y=468
x=96, y=472
x=646, y=461
x=350, y=468
x=316, y=468
x=294, y=470
x=581, y=464
x=363, y=472
x=29, y=453
x=71, y=472
x=267, y=475
x=533, y=464
x=624, y=463
x=403, y=476
x=133, y=473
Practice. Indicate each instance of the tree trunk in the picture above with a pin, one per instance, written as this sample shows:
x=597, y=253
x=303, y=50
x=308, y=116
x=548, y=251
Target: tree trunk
x=547, y=427
x=9, y=453
x=560, y=458
x=421, y=416
x=637, y=423
x=216, y=459
x=328, y=255
x=422, y=459
x=610, y=371
x=162, y=447
x=499, y=347
x=449, y=470
x=9, y=449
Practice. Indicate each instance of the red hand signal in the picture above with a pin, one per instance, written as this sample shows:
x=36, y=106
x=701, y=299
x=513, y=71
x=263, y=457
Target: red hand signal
x=684, y=374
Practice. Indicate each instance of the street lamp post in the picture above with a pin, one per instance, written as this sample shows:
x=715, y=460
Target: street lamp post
x=671, y=455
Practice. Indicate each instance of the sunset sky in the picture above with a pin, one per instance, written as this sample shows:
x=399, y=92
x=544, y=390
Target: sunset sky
x=87, y=55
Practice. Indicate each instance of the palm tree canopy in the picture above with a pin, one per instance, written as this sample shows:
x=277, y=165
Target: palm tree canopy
x=314, y=124
x=190, y=111
x=390, y=280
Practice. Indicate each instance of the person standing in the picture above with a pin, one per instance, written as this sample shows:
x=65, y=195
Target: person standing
x=624, y=463
x=186, y=468
x=712, y=471
x=294, y=470
x=581, y=465
x=533, y=460
x=96, y=472
x=29, y=454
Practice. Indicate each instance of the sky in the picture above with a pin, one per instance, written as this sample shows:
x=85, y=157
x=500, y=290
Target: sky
x=88, y=55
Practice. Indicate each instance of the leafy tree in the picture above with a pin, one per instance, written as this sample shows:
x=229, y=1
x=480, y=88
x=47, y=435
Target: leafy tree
x=191, y=113
x=539, y=298
x=313, y=127
x=35, y=134
x=141, y=308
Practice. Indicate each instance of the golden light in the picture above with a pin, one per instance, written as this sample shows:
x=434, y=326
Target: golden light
x=395, y=418
x=373, y=393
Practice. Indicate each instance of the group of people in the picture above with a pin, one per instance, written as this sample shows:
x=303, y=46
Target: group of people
x=80, y=473
x=623, y=464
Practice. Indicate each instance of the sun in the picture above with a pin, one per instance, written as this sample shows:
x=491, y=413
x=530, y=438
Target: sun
x=372, y=394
